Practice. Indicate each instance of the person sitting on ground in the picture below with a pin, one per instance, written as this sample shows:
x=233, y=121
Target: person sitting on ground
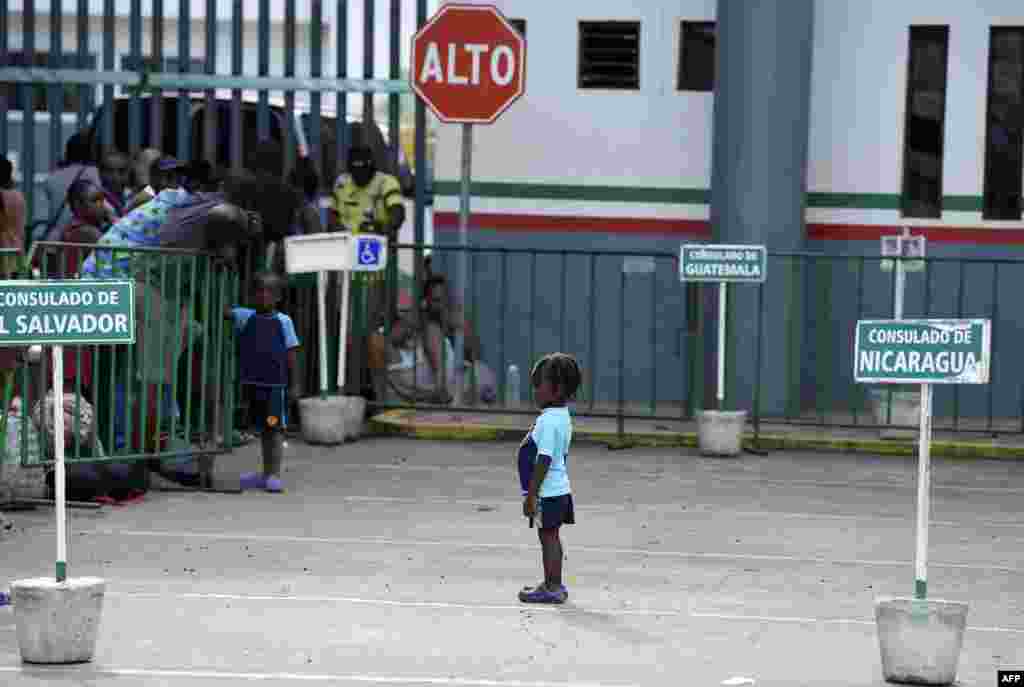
x=267, y=363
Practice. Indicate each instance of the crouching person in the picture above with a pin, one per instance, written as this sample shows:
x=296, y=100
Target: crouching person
x=267, y=357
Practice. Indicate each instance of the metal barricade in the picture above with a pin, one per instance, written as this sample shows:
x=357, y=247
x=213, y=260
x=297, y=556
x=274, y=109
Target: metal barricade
x=167, y=400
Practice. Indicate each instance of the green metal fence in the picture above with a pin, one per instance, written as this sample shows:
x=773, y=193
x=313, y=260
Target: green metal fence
x=170, y=398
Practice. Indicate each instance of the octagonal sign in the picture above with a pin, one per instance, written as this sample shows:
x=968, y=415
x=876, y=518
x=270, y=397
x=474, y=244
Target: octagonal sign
x=468, y=64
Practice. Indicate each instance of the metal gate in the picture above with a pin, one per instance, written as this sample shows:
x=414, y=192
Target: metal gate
x=242, y=73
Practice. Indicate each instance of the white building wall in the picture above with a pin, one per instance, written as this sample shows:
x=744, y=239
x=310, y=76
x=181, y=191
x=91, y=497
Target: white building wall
x=858, y=91
x=559, y=134
x=660, y=137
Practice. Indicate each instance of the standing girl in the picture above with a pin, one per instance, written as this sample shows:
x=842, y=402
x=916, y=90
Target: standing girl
x=543, y=472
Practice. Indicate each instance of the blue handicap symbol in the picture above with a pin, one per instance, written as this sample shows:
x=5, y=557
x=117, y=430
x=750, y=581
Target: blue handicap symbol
x=369, y=252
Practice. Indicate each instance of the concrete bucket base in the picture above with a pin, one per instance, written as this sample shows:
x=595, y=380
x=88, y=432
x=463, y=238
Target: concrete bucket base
x=57, y=622
x=920, y=640
x=331, y=420
x=720, y=432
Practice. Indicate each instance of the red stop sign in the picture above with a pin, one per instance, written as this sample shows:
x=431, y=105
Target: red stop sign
x=468, y=64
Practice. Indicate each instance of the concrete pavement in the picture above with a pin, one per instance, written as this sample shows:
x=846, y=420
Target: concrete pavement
x=974, y=438
x=392, y=561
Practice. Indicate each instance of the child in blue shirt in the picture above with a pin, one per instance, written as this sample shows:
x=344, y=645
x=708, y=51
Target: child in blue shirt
x=267, y=360
x=543, y=475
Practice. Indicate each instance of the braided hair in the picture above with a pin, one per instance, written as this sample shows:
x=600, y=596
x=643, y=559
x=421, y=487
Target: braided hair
x=561, y=369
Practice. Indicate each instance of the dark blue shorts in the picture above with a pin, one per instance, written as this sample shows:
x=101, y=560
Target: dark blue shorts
x=556, y=511
x=268, y=407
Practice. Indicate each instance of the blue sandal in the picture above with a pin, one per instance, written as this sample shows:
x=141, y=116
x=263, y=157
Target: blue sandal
x=539, y=595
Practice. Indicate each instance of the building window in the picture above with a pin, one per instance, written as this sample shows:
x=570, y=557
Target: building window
x=925, y=121
x=609, y=55
x=1004, y=122
x=73, y=95
x=519, y=25
x=697, y=56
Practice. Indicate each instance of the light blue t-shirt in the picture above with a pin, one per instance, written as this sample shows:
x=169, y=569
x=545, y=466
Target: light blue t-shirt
x=242, y=315
x=552, y=433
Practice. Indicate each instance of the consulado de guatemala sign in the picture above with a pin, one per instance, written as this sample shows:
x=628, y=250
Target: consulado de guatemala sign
x=922, y=351
x=67, y=312
x=721, y=263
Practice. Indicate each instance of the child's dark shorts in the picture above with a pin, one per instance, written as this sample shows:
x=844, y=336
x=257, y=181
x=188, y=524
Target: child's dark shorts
x=556, y=511
x=268, y=407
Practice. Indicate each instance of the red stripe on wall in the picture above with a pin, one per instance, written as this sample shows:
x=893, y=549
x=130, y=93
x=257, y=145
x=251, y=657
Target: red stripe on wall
x=702, y=228
x=866, y=232
x=557, y=223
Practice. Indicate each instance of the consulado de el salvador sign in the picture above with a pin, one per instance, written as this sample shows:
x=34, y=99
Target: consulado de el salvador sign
x=922, y=351
x=70, y=311
x=719, y=262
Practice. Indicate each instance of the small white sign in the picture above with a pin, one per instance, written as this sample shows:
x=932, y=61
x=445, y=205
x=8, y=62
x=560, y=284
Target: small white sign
x=325, y=252
x=335, y=252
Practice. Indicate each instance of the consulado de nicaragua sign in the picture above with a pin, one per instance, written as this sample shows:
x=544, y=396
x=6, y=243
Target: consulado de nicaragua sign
x=67, y=312
x=922, y=351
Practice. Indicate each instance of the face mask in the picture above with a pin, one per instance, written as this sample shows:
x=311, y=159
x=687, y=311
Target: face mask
x=362, y=171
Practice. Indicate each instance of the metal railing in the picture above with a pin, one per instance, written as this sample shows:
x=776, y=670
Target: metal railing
x=646, y=342
x=169, y=397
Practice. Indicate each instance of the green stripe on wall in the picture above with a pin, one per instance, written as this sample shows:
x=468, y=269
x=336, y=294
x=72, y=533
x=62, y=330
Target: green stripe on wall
x=692, y=196
x=859, y=201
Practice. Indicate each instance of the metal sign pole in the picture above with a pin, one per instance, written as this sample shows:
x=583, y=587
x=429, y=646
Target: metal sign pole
x=460, y=273
x=321, y=311
x=722, y=295
x=344, y=277
x=58, y=453
x=923, y=493
x=901, y=275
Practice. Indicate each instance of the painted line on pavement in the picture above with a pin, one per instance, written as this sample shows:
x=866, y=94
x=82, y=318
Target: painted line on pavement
x=571, y=609
x=213, y=596
x=831, y=621
x=81, y=673
x=360, y=541
x=686, y=479
x=691, y=509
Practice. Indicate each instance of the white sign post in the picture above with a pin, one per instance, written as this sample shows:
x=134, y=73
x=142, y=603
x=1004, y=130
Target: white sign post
x=924, y=352
x=722, y=264
x=336, y=251
x=920, y=638
x=56, y=617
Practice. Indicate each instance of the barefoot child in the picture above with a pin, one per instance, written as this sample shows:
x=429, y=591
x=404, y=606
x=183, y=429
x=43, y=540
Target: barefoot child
x=267, y=352
x=543, y=476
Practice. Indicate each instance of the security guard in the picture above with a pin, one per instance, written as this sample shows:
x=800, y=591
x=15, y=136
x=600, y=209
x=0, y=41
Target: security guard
x=365, y=200
x=368, y=201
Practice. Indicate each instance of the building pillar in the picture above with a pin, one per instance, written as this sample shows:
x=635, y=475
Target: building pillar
x=758, y=187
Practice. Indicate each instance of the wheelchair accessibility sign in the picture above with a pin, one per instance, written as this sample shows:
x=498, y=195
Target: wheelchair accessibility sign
x=371, y=253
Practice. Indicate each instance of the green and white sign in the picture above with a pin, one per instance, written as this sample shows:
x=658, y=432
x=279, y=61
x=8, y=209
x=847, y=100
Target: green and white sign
x=722, y=263
x=922, y=351
x=71, y=311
